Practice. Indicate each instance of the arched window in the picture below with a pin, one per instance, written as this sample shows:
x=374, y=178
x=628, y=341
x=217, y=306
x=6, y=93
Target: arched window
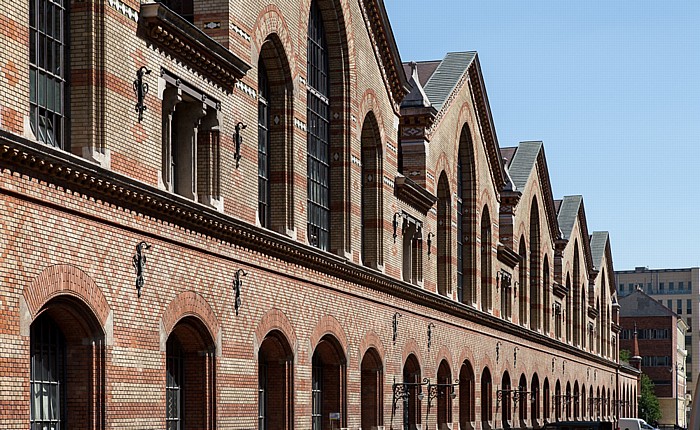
x=263, y=146
x=66, y=368
x=444, y=234
x=591, y=400
x=546, y=400
x=372, y=381
x=372, y=207
x=275, y=383
x=190, y=369
x=547, y=295
x=522, y=283
x=569, y=310
x=535, y=287
x=327, y=384
x=506, y=414
x=48, y=71
x=583, y=403
x=466, y=396
x=466, y=221
x=318, y=132
x=486, y=398
x=486, y=270
x=577, y=322
x=558, y=402
x=576, y=401
x=569, y=400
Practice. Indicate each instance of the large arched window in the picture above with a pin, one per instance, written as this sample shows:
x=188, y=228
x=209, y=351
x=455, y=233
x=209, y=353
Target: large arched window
x=48, y=71
x=372, y=207
x=466, y=396
x=486, y=398
x=275, y=383
x=66, y=369
x=318, y=132
x=576, y=294
x=444, y=234
x=569, y=310
x=190, y=384
x=535, y=287
x=263, y=146
x=486, y=270
x=546, y=295
x=328, y=384
x=522, y=283
x=466, y=220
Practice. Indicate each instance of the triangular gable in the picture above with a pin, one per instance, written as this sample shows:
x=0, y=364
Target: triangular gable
x=640, y=304
x=529, y=155
x=570, y=211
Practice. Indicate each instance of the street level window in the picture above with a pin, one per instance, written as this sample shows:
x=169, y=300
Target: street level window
x=48, y=71
x=191, y=142
x=173, y=385
x=47, y=376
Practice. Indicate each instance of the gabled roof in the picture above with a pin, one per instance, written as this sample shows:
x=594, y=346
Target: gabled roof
x=572, y=208
x=425, y=69
x=640, y=304
x=447, y=76
x=527, y=156
x=599, y=240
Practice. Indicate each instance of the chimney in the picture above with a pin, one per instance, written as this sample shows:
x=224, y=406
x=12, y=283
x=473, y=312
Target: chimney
x=636, y=359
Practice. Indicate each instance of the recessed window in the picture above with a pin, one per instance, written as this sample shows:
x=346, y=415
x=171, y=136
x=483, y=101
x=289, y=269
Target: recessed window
x=263, y=146
x=48, y=71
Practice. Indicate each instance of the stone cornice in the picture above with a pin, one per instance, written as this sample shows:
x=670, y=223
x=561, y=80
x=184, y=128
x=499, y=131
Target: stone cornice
x=592, y=312
x=181, y=39
x=59, y=168
x=560, y=290
x=507, y=256
x=413, y=194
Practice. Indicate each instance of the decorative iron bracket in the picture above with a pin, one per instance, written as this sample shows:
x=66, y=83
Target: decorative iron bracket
x=439, y=390
x=141, y=89
x=139, y=263
x=238, y=139
x=237, y=284
x=402, y=391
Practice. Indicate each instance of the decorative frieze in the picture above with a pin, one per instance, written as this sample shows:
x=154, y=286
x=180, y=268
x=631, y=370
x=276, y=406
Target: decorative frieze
x=125, y=10
x=247, y=89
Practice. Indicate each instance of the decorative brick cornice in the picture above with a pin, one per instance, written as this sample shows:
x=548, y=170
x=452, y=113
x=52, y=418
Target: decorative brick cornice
x=560, y=290
x=181, y=39
x=385, y=49
x=592, y=312
x=64, y=170
x=507, y=256
x=413, y=194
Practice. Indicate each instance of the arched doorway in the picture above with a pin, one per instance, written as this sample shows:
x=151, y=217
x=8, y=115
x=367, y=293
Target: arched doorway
x=412, y=402
x=558, y=401
x=66, y=367
x=190, y=368
x=506, y=412
x=546, y=400
x=576, y=400
x=522, y=401
x=466, y=396
x=372, y=381
x=328, y=385
x=444, y=395
x=275, y=383
x=535, y=400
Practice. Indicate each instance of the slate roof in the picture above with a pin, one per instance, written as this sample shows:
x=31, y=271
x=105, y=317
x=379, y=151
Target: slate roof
x=446, y=76
x=523, y=161
x=640, y=304
x=568, y=211
x=598, y=241
x=425, y=70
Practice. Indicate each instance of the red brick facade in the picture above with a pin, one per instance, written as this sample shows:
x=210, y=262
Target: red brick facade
x=339, y=331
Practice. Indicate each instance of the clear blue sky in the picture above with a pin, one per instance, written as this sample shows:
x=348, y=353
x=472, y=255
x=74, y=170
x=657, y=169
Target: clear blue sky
x=612, y=87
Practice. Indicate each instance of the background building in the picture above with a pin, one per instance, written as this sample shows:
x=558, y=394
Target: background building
x=660, y=337
x=225, y=214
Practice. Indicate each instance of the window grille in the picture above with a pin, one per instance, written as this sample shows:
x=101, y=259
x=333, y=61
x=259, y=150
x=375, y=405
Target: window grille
x=262, y=397
x=317, y=397
x=47, y=376
x=48, y=70
x=318, y=118
x=263, y=147
x=173, y=386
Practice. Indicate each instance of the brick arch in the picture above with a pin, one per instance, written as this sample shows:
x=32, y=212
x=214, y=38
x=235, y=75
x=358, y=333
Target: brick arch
x=66, y=279
x=187, y=304
x=411, y=347
x=370, y=104
x=270, y=20
x=483, y=363
x=273, y=320
x=442, y=164
x=370, y=340
x=329, y=325
x=465, y=119
x=444, y=354
x=466, y=355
